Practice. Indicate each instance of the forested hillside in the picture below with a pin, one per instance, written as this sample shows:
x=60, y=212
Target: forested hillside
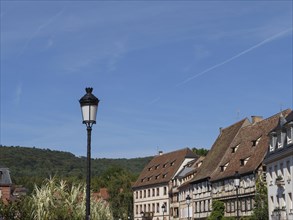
x=32, y=165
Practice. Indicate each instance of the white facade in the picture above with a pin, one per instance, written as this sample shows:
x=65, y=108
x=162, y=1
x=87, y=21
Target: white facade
x=279, y=163
x=150, y=200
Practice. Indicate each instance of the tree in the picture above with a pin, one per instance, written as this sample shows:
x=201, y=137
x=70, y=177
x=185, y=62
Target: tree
x=218, y=209
x=260, y=210
x=118, y=183
x=200, y=151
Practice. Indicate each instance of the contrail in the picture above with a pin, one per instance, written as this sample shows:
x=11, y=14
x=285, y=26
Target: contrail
x=234, y=57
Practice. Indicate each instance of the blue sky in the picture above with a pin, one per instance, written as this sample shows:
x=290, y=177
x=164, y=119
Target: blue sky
x=168, y=73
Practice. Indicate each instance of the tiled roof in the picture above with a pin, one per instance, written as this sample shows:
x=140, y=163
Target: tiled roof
x=214, y=156
x=162, y=168
x=5, y=179
x=248, y=149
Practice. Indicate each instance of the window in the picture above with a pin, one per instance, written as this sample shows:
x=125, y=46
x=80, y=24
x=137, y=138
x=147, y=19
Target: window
x=244, y=161
x=288, y=167
x=140, y=194
x=150, y=168
x=136, y=209
x=153, y=191
x=255, y=142
x=172, y=163
x=228, y=206
x=273, y=141
x=270, y=175
x=290, y=204
x=290, y=134
x=281, y=139
x=165, y=165
x=232, y=206
x=249, y=207
x=136, y=194
x=165, y=190
x=276, y=171
x=157, y=167
x=164, y=175
x=158, y=191
x=234, y=149
x=281, y=168
x=158, y=207
x=149, y=193
x=157, y=177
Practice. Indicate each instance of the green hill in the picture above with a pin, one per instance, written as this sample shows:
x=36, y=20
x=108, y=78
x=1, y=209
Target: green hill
x=32, y=165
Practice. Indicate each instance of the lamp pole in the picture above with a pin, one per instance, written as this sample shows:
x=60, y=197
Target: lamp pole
x=188, y=203
x=237, y=184
x=163, y=209
x=89, y=105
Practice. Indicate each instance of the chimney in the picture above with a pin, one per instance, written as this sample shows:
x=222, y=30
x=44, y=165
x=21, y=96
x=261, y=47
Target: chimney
x=160, y=152
x=256, y=119
x=220, y=129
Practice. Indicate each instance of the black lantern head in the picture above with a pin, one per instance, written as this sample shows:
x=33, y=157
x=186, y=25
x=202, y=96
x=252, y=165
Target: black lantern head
x=237, y=179
x=188, y=199
x=89, y=106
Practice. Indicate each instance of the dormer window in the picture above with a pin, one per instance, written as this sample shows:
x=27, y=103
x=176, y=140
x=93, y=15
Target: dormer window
x=281, y=139
x=157, y=167
x=244, y=161
x=157, y=176
x=150, y=168
x=164, y=175
x=273, y=141
x=255, y=142
x=165, y=165
x=234, y=149
x=224, y=167
x=290, y=133
x=172, y=163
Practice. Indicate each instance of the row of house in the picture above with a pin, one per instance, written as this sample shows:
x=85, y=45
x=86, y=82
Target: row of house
x=181, y=185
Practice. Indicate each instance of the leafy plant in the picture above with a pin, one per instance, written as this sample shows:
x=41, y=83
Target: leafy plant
x=218, y=210
x=260, y=210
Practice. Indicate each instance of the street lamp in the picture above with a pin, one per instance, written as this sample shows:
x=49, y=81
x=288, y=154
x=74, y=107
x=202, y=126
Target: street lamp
x=188, y=203
x=89, y=105
x=237, y=184
x=164, y=209
x=142, y=214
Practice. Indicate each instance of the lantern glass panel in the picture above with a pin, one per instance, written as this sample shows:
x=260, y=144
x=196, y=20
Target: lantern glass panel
x=89, y=113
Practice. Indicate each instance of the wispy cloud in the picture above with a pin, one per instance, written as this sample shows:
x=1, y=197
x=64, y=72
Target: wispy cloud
x=18, y=93
x=282, y=33
x=37, y=31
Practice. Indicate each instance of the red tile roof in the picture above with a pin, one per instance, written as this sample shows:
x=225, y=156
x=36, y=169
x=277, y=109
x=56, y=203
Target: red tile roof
x=252, y=141
x=214, y=156
x=162, y=168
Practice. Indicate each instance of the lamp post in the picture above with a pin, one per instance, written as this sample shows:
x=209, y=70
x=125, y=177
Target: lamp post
x=89, y=105
x=188, y=203
x=142, y=214
x=163, y=209
x=237, y=184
